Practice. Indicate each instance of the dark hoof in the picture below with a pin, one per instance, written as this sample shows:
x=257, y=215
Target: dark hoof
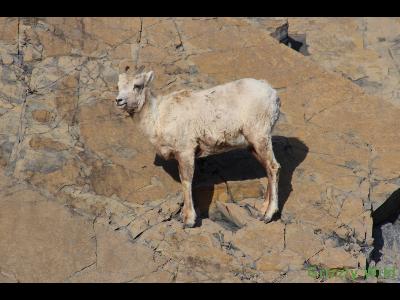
x=267, y=220
x=188, y=225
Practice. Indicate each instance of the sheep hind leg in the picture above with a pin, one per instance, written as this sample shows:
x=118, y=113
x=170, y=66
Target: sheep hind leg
x=267, y=184
x=186, y=170
x=266, y=157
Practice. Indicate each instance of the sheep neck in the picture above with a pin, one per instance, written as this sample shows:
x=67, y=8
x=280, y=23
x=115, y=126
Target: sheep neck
x=148, y=114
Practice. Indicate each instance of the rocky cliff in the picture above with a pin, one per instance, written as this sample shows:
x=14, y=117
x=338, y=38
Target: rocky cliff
x=84, y=198
x=366, y=50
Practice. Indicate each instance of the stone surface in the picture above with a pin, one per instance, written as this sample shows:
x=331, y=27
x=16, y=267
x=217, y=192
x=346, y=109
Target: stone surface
x=363, y=49
x=75, y=167
x=41, y=241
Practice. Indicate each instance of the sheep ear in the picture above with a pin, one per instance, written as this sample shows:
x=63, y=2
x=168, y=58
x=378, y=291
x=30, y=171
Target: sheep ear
x=148, y=78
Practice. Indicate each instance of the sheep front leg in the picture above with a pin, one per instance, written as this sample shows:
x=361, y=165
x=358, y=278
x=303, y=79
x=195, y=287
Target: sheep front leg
x=186, y=170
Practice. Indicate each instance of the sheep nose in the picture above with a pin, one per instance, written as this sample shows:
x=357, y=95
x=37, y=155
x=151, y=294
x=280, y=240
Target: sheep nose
x=118, y=100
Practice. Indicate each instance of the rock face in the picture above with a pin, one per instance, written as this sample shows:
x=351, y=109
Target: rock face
x=75, y=167
x=365, y=50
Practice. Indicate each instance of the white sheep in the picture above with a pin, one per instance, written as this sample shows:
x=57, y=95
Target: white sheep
x=189, y=124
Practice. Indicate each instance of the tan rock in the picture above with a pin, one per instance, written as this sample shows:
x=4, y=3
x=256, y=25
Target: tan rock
x=118, y=260
x=41, y=143
x=41, y=115
x=158, y=277
x=280, y=262
x=269, y=276
x=11, y=88
x=41, y=241
x=234, y=213
x=10, y=32
x=269, y=237
x=297, y=234
x=53, y=44
x=334, y=258
x=66, y=175
x=300, y=276
x=7, y=59
x=359, y=48
x=31, y=54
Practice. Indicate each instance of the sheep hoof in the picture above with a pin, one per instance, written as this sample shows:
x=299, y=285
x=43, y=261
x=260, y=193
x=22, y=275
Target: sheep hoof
x=267, y=219
x=188, y=225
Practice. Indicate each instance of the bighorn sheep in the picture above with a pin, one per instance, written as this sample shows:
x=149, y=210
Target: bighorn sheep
x=189, y=124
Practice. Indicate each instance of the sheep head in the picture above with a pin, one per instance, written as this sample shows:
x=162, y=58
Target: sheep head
x=132, y=90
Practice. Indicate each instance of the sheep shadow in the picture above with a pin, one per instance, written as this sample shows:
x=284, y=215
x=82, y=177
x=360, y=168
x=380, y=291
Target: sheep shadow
x=239, y=165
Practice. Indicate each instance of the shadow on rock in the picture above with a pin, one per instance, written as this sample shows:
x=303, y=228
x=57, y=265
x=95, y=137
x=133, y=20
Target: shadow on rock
x=289, y=152
x=239, y=165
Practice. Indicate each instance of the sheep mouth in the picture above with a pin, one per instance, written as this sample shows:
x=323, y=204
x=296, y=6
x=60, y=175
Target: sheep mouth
x=122, y=105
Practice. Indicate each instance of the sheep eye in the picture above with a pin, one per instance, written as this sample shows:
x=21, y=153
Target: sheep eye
x=136, y=86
